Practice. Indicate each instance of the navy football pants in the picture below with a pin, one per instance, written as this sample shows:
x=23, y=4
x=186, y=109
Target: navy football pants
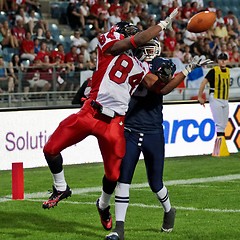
x=152, y=147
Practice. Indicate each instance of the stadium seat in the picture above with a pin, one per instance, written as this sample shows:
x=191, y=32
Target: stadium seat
x=55, y=31
x=63, y=13
x=55, y=10
x=3, y=17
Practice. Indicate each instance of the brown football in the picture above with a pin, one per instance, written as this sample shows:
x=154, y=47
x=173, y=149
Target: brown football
x=201, y=21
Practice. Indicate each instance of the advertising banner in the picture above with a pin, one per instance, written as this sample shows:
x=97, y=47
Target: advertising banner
x=189, y=130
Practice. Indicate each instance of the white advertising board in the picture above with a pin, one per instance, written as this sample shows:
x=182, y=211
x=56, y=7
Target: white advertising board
x=189, y=130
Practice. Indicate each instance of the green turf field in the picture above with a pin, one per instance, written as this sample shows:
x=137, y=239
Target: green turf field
x=204, y=189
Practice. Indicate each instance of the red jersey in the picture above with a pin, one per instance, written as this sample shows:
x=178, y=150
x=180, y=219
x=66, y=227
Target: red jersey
x=27, y=46
x=116, y=77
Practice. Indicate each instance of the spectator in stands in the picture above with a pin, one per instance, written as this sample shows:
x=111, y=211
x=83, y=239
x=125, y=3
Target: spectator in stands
x=235, y=55
x=99, y=7
x=51, y=43
x=232, y=20
x=16, y=4
x=81, y=64
x=187, y=56
x=215, y=46
x=23, y=14
x=58, y=55
x=211, y=7
x=43, y=51
x=27, y=48
x=166, y=4
x=189, y=38
x=200, y=4
x=33, y=5
x=35, y=23
x=74, y=16
x=126, y=8
x=47, y=72
x=135, y=18
x=177, y=53
x=114, y=18
x=207, y=52
x=3, y=5
x=93, y=43
x=33, y=77
x=101, y=24
x=71, y=58
x=179, y=38
x=19, y=31
x=40, y=34
x=78, y=41
x=198, y=47
x=17, y=71
x=85, y=53
x=6, y=81
x=187, y=12
x=144, y=17
x=170, y=43
x=36, y=45
x=113, y=6
x=9, y=40
x=84, y=10
x=93, y=61
x=231, y=32
x=219, y=18
x=221, y=31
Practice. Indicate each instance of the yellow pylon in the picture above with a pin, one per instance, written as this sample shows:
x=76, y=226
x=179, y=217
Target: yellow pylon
x=220, y=147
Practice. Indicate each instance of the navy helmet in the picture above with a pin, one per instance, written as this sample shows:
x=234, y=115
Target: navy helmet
x=126, y=28
x=163, y=68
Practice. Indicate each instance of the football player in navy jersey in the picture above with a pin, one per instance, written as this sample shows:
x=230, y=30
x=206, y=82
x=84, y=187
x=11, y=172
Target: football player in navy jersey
x=144, y=133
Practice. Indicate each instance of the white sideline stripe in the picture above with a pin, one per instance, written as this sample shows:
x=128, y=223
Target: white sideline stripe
x=152, y=206
x=79, y=191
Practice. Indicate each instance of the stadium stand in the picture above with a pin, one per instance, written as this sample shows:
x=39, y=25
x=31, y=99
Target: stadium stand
x=55, y=14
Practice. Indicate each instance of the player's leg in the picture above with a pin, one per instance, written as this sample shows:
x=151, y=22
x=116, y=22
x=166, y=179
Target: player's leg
x=70, y=131
x=111, y=141
x=128, y=166
x=217, y=106
x=153, y=151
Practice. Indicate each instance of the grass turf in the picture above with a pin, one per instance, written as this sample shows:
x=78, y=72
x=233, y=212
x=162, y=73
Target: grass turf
x=205, y=210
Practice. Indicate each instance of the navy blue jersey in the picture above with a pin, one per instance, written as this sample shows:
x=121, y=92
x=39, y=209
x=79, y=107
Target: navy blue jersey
x=145, y=112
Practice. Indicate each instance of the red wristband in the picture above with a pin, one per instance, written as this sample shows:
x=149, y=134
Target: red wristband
x=133, y=42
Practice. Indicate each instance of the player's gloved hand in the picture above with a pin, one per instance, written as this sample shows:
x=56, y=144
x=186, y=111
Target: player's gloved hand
x=167, y=23
x=196, y=62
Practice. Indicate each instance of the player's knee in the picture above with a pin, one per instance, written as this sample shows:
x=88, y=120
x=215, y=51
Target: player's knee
x=113, y=177
x=156, y=187
x=49, y=150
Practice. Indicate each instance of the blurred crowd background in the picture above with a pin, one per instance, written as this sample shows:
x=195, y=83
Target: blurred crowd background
x=46, y=52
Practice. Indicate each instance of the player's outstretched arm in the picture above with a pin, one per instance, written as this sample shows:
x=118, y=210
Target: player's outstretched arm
x=196, y=62
x=143, y=37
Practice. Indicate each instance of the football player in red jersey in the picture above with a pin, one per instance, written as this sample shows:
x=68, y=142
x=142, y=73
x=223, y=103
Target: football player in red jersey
x=117, y=76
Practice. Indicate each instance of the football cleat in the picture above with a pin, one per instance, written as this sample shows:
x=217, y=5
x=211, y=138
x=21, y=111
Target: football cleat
x=168, y=220
x=105, y=216
x=56, y=196
x=112, y=236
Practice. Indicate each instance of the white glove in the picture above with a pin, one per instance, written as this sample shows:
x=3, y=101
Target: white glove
x=167, y=23
x=196, y=62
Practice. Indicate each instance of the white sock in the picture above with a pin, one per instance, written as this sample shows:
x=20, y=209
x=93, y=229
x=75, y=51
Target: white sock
x=121, y=201
x=162, y=196
x=104, y=200
x=59, y=181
